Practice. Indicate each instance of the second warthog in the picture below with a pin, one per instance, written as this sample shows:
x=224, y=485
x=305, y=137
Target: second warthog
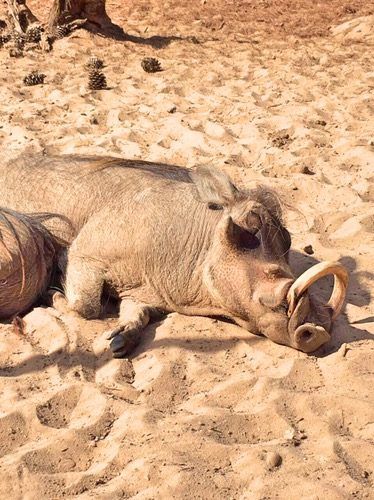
x=27, y=252
x=165, y=238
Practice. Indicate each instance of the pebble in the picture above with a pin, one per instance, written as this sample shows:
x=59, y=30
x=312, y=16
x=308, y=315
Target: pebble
x=306, y=170
x=324, y=60
x=348, y=229
x=309, y=250
x=214, y=130
x=301, y=169
x=273, y=459
x=67, y=464
x=289, y=434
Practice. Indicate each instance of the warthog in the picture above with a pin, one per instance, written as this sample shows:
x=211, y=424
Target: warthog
x=165, y=238
x=27, y=252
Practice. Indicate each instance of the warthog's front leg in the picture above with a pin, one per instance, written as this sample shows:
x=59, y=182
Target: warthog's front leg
x=83, y=287
x=133, y=318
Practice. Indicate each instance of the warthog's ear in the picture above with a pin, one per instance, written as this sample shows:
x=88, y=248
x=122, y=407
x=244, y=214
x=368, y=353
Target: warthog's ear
x=214, y=187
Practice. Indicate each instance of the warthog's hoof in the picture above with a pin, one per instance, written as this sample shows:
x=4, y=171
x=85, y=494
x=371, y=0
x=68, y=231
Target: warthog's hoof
x=123, y=343
x=55, y=298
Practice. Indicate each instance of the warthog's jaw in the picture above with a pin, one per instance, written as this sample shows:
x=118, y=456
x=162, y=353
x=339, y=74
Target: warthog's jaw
x=309, y=336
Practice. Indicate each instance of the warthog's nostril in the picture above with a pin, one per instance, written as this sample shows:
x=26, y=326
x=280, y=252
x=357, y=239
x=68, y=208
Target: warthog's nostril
x=309, y=337
x=306, y=336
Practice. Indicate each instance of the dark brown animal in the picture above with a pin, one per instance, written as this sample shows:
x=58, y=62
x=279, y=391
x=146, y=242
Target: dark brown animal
x=27, y=251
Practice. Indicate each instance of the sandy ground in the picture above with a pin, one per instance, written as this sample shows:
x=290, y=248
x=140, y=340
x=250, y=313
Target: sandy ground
x=203, y=407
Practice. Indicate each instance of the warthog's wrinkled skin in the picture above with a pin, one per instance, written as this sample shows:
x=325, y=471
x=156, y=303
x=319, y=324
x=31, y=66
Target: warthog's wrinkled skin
x=165, y=239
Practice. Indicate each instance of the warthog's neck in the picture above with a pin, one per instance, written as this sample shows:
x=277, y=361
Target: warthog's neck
x=171, y=265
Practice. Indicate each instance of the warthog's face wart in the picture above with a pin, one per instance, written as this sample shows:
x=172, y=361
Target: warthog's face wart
x=247, y=270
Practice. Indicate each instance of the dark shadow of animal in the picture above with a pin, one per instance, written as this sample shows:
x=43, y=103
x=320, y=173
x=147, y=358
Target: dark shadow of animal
x=115, y=32
x=90, y=362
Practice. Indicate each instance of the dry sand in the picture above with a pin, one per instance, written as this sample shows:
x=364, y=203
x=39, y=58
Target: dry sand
x=203, y=408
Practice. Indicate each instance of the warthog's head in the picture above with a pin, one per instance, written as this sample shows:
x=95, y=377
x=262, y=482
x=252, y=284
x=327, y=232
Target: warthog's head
x=247, y=271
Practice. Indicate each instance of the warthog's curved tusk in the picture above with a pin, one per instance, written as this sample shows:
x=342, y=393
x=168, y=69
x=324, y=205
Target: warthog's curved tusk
x=312, y=275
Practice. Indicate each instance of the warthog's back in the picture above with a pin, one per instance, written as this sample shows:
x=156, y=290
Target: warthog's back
x=77, y=186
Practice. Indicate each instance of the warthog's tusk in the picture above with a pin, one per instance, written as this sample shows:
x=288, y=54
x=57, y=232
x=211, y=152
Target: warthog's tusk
x=312, y=275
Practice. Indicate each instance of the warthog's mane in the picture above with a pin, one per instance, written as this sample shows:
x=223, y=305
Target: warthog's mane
x=91, y=165
x=163, y=170
x=275, y=204
x=270, y=199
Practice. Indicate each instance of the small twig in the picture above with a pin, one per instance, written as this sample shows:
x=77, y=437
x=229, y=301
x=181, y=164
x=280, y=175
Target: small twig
x=76, y=24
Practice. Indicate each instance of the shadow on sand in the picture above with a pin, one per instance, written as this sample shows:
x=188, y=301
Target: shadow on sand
x=115, y=32
x=91, y=362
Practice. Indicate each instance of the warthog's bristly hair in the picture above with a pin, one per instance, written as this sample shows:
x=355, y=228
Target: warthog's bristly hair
x=30, y=250
x=271, y=200
x=275, y=205
x=104, y=163
x=4, y=213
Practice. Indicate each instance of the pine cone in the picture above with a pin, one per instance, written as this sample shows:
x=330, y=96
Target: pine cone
x=34, y=34
x=15, y=52
x=18, y=40
x=62, y=30
x=96, y=80
x=151, y=65
x=4, y=39
x=34, y=78
x=95, y=63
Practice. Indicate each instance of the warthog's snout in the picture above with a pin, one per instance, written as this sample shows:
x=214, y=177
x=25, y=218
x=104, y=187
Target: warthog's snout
x=305, y=334
x=309, y=337
x=289, y=316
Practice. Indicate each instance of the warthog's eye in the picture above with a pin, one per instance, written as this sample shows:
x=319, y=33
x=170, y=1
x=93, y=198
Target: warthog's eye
x=249, y=241
x=246, y=240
